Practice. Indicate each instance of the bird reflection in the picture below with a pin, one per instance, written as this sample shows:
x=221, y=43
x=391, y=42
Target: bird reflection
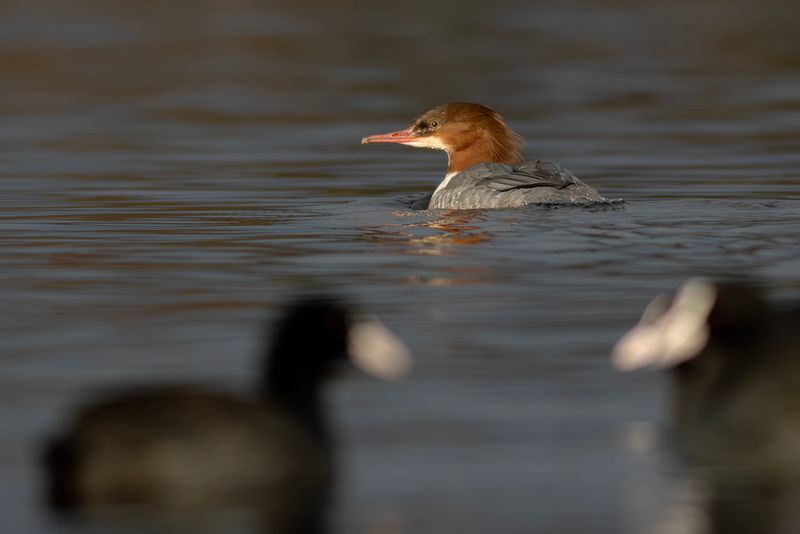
x=450, y=228
x=181, y=452
x=734, y=360
x=454, y=227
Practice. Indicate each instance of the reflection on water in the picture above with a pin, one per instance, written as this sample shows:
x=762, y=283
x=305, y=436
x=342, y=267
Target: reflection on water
x=167, y=172
x=454, y=228
x=432, y=233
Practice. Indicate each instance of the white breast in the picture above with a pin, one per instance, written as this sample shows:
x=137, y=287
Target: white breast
x=447, y=178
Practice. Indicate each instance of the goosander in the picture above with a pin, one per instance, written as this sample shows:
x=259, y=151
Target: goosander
x=185, y=450
x=735, y=363
x=485, y=167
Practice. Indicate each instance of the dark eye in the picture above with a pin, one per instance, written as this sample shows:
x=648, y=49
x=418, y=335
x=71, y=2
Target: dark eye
x=433, y=124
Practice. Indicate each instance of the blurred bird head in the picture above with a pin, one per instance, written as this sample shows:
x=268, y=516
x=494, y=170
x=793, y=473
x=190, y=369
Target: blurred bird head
x=703, y=317
x=317, y=334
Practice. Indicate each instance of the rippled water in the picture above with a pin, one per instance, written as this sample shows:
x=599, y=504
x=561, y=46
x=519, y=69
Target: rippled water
x=170, y=172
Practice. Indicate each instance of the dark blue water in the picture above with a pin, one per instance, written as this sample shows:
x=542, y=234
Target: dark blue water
x=170, y=173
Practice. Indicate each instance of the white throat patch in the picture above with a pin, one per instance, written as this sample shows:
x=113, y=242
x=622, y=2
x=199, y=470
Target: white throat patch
x=435, y=143
x=430, y=141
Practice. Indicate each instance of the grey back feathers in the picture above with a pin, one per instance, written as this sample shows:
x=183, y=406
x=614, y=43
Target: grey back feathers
x=499, y=185
x=529, y=174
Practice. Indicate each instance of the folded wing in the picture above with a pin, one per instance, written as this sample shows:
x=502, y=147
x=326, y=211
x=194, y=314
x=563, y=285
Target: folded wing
x=526, y=175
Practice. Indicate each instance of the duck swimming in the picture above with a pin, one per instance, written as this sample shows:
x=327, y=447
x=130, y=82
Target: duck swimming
x=485, y=166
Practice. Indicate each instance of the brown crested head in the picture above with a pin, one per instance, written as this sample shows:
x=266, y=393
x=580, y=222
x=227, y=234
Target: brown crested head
x=469, y=133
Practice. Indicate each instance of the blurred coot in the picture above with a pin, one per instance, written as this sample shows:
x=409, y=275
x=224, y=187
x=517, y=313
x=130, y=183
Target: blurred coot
x=190, y=449
x=734, y=361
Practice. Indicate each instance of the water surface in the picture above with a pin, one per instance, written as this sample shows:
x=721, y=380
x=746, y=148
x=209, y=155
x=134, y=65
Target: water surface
x=170, y=173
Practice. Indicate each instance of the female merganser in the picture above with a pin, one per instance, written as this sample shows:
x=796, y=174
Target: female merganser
x=185, y=450
x=485, y=167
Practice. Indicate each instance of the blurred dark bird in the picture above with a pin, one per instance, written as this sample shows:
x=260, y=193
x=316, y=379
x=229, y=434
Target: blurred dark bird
x=734, y=359
x=187, y=449
x=485, y=167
